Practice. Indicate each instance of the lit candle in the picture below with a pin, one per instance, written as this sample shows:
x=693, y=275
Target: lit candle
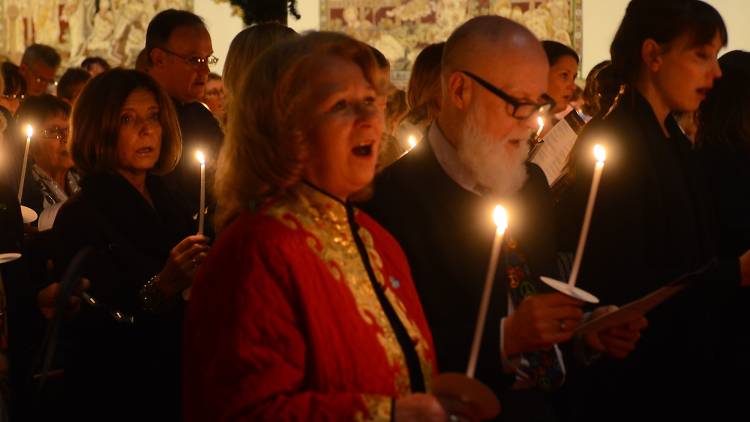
x=201, y=211
x=540, y=123
x=500, y=216
x=29, y=132
x=412, y=141
x=600, y=154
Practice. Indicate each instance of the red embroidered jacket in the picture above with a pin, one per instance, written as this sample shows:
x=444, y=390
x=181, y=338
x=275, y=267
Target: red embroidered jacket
x=283, y=322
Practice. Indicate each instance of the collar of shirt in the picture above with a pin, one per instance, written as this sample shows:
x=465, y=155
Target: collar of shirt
x=447, y=156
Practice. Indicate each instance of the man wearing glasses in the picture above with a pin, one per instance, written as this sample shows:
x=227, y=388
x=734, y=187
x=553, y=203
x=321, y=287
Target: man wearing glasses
x=179, y=53
x=38, y=66
x=438, y=199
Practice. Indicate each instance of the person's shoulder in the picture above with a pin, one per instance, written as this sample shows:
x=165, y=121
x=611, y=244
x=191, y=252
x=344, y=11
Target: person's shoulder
x=404, y=174
x=260, y=228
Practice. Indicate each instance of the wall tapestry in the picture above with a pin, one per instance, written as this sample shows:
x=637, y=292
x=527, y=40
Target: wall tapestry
x=113, y=29
x=401, y=28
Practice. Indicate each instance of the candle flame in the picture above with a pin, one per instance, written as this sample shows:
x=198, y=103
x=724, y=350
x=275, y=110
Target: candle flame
x=600, y=153
x=500, y=216
x=412, y=141
x=200, y=157
x=540, y=122
x=29, y=131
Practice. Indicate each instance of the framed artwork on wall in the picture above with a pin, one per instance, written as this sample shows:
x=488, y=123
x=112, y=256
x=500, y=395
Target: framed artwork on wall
x=401, y=28
x=113, y=29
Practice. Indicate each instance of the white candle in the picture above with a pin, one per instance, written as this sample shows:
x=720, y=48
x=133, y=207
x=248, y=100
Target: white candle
x=601, y=155
x=540, y=123
x=412, y=141
x=500, y=216
x=201, y=211
x=29, y=132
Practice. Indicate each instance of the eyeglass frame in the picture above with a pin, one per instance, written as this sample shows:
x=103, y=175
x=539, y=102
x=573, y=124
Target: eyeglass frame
x=514, y=102
x=10, y=97
x=40, y=79
x=193, y=61
x=60, y=133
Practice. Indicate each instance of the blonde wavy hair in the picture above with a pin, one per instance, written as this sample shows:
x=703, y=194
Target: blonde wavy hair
x=265, y=151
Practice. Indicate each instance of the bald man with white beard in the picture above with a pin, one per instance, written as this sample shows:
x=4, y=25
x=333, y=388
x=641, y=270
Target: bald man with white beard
x=437, y=201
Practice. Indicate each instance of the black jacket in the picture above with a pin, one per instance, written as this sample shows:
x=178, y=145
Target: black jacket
x=653, y=221
x=446, y=233
x=125, y=370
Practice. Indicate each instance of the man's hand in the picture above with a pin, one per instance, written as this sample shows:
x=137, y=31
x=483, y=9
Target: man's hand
x=617, y=341
x=540, y=322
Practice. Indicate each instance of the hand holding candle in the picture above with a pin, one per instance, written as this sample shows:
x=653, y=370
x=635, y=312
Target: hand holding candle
x=29, y=132
x=500, y=216
x=201, y=211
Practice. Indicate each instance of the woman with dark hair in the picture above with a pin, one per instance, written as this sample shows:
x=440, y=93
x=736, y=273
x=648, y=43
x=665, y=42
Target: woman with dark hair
x=124, y=135
x=653, y=221
x=563, y=68
x=305, y=309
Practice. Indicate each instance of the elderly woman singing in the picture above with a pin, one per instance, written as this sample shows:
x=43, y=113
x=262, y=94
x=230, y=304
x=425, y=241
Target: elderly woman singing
x=305, y=308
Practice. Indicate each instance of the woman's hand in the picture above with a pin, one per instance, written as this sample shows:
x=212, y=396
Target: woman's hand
x=183, y=260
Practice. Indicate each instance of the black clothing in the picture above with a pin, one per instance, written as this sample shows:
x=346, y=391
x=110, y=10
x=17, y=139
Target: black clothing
x=447, y=234
x=130, y=372
x=652, y=222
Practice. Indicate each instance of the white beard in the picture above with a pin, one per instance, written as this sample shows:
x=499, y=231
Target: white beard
x=489, y=159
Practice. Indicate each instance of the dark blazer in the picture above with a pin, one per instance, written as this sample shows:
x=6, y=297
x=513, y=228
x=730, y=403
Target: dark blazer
x=447, y=235
x=653, y=221
x=124, y=370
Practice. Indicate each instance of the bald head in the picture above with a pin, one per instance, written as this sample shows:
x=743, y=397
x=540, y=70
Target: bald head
x=491, y=67
x=490, y=42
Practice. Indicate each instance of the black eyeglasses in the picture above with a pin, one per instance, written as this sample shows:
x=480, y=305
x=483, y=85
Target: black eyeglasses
x=521, y=110
x=55, y=133
x=194, y=61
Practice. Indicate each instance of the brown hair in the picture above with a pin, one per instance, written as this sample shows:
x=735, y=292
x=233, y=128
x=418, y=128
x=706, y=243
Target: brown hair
x=424, y=82
x=95, y=122
x=663, y=21
x=265, y=151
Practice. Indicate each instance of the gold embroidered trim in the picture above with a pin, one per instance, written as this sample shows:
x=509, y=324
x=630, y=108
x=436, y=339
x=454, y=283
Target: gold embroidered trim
x=378, y=409
x=328, y=235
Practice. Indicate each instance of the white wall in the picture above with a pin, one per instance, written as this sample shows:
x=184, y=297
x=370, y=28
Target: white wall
x=221, y=25
x=602, y=17
x=600, y=21
x=309, y=11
